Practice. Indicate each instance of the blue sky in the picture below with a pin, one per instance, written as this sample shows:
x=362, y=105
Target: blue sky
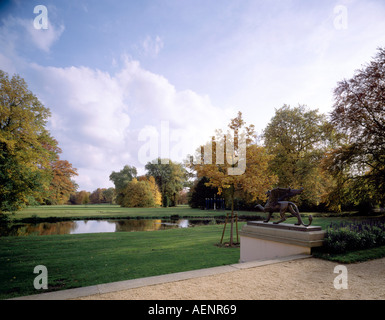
x=127, y=80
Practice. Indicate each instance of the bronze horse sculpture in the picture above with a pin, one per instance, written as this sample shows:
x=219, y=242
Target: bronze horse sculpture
x=277, y=202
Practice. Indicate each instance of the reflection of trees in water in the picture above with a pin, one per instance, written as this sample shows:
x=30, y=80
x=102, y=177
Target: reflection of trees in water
x=46, y=228
x=66, y=227
x=138, y=225
x=8, y=229
x=41, y=229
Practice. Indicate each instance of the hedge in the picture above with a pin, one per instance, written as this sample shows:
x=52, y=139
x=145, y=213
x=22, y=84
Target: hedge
x=345, y=236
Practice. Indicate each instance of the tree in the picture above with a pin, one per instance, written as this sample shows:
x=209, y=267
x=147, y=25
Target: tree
x=339, y=196
x=121, y=180
x=137, y=194
x=81, y=197
x=17, y=184
x=26, y=146
x=235, y=163
x=61, y=185
x=109, y=195
x=157, y=196
x=200, y=192
x=169, y=176
x=183, y=197
x=298, y=139
x=97, y=196
x=359, y=114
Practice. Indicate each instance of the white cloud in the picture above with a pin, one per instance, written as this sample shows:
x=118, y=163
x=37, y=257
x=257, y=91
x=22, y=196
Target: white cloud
x=154, y=98
x=98, y=117
x=89, y=118
x=43, y=38
x=18, y=31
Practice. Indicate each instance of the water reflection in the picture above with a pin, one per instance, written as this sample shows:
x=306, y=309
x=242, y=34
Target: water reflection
x=42, y=229
x=94, y=226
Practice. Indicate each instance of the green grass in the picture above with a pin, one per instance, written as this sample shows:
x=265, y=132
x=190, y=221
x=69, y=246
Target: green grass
x=89, y=259
x=73, y=212
x=106, y=211
x=352, y=256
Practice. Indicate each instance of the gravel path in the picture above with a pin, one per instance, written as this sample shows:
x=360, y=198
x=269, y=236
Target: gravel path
x=299, y=279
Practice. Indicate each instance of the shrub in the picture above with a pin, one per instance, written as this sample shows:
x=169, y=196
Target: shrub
x=379, y=235
x=354, y=236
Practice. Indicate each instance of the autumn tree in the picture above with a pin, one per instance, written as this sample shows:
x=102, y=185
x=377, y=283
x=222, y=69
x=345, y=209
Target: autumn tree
x=80, y=197
x=61, y=185
x=157, y=196
x=137, y=194
x=298, y=138
x=97, y=196
x=359, y=114
x=234, y=162
x=28, y=153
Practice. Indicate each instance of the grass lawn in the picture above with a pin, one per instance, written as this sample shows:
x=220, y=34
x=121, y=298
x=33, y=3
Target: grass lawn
x=106, y=211
x=352, y=256
x=89, y=259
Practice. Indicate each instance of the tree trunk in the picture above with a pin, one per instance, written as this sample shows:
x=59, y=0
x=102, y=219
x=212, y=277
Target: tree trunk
x=232, y=215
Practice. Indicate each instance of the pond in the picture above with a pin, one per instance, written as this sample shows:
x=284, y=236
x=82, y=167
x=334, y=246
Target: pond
x=96, y=226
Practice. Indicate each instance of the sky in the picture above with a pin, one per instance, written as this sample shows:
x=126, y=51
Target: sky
x=127, y=81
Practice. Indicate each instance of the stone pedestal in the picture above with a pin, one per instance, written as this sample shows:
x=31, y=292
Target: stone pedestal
x=261, y=241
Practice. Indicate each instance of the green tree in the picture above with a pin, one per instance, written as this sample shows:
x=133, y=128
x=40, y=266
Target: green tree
x=109, y=195
x=26, y=146
x=339, y=195
x=200, y=192
x=298, y=139
x=121, y=180
x=123, y=177
x=170, y=178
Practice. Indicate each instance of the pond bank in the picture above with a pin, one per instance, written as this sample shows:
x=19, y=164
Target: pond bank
x=102, y=212
x=99, y=226
x=37, y=219
x=88, y=259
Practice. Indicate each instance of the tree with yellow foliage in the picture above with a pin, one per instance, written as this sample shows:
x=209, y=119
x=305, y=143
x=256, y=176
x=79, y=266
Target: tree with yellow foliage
x=235, y=162
x=137, y=194
x=30, y=168
x=154, y=189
